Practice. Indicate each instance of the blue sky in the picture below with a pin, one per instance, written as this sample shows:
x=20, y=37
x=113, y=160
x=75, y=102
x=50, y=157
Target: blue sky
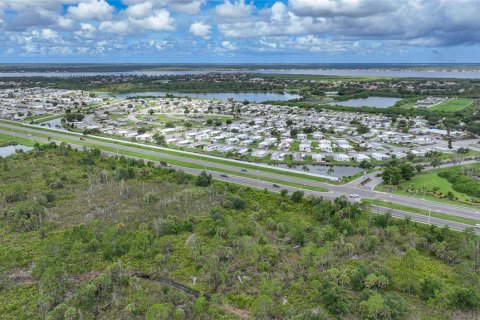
x=231, y=31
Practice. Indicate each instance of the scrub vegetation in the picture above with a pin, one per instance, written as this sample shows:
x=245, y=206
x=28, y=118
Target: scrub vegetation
x=86, y=236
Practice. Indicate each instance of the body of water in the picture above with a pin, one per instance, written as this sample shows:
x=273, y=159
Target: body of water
x=475, y=74
x=338, y=171
x=470, y=74
x=9, y=150
x=237, y=96
x=54, y=123
x=376, y=102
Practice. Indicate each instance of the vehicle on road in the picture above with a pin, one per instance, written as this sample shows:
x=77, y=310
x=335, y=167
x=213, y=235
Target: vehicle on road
x=275, y=185
x=354, y=195
x=243, y=170
x=223, y=175
x=82, y=139
x=477, y=226
x=164, y=164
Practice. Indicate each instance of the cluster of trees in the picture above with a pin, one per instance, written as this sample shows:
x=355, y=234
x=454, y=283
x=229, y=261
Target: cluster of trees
x=395, y=171
x=269, y=255
x=74, y=116
x=462, y=182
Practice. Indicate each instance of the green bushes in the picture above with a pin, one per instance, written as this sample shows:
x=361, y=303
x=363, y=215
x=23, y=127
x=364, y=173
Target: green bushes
x=461, y=183
x=27, y=216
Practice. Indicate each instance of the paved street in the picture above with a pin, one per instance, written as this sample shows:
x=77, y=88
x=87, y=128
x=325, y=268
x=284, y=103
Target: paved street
x=334, y=191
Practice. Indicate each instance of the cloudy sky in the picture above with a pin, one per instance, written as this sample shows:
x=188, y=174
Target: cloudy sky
x=239, y=31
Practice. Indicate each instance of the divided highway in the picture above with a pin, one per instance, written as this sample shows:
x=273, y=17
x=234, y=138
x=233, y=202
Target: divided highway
x=253, y=178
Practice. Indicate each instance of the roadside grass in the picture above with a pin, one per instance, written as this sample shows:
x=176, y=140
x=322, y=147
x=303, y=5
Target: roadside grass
x=430, y=179
x=422, y=212
x=6, y=140
x=452, y=105
x=48, y=118
x=178, y=163
x=33, y=118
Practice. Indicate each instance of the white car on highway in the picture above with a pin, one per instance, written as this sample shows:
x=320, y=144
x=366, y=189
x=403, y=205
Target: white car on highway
x=354, y=195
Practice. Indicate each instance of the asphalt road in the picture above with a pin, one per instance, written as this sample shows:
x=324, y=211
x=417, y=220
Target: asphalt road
x=334, y=190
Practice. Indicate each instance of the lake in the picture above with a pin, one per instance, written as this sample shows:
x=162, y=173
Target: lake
x=237, y=96
x=458, y=74
x=376, y=102
x=9, y=150
x=338, y=171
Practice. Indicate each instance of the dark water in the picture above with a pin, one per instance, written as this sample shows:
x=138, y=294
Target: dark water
x=377, y=102
x=237, y=96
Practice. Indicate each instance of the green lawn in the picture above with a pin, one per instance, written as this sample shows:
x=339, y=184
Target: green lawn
x=452, y=105
x=430, y=180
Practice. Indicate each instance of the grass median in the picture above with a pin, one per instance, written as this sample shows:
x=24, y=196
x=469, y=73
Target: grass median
x=180, y=154
x=422, y=212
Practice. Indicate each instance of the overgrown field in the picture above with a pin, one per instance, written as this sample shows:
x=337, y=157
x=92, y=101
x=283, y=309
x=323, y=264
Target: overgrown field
x=91, y=237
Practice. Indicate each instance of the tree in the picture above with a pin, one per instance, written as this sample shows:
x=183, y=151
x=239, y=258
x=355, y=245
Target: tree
x=204, y=179
x=228, y=121
x=334, y=298
x=365, y=165
x=391, y=175
x=407, y=171
x=293, y=133
x=374, y=308
x=297, y=196
x=159, y=139
x=201, y=305
x=159, y=311
x=262, y=307
x=362, y=129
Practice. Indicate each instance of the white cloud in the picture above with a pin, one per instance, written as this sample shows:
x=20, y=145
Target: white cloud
x=229, y=46
x=87, y=31
x=91, y=10
x=201, y=29
x=65, y=23
x=184, y=6
x=233, y=9
x=49, y=34
x=121, y=27
x=352, y=8
x=159, y=21
x=139, y=10
x=187, y=6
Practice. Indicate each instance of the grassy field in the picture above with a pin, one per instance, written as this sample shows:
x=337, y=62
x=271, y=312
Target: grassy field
x=452, y=105
x=440, y=215
x=430, y=181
